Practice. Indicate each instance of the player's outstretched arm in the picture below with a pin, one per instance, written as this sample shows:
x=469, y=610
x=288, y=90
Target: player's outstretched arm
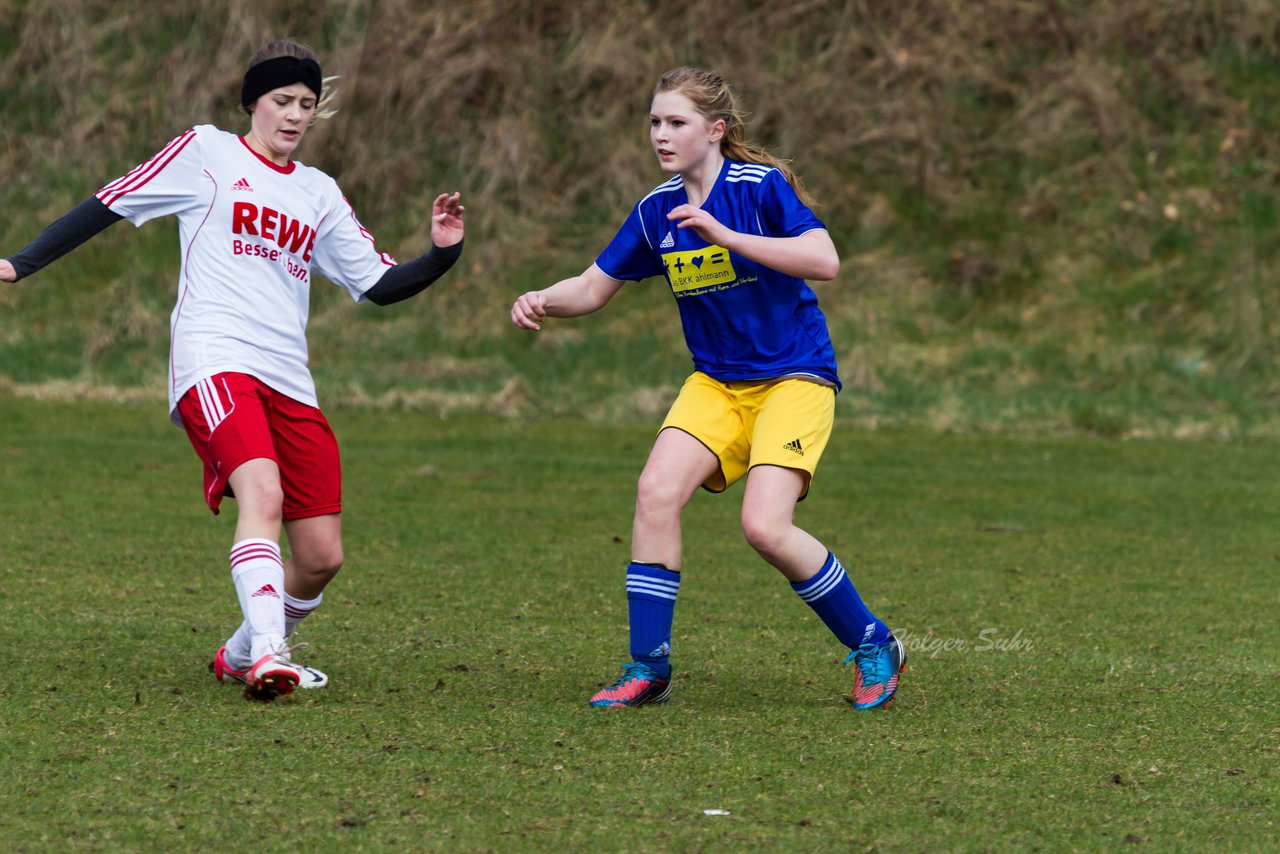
x=64, y=234
x=406, y=280
x=572, y=297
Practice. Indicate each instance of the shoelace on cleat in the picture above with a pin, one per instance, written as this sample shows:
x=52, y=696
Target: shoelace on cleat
x=867, y=659
x=632, y=670
x=288, y=647
x=285, y=650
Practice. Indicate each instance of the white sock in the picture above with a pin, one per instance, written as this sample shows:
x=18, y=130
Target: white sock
x=296, y=610
x=239, y=647
x=239, y=651
x=258, y=573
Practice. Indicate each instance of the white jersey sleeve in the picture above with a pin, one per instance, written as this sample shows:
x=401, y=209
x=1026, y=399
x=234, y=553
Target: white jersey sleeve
x=166, y=184
x=345, y=252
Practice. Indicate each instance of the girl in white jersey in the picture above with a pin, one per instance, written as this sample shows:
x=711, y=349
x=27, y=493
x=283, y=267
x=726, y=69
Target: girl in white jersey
x=732, y=234
x=254, y=226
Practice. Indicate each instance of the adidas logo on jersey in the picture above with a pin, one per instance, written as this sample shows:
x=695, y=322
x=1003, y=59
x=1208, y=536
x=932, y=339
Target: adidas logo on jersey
x=668, y=242
x=242, y=184
x=794, y=446
x=265, y=590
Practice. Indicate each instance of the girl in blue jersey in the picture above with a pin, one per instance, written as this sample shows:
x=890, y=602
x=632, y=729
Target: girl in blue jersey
x=733, y=235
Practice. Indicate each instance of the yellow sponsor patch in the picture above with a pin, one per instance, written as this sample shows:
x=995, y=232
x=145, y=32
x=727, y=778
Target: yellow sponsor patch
x=698, y=269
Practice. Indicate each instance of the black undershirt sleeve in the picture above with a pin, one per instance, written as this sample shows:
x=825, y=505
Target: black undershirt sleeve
x=91, y=217
x=64, y=234
x=411, y=278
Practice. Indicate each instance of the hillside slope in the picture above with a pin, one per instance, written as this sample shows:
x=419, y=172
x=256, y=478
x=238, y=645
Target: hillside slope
x=1052, y=215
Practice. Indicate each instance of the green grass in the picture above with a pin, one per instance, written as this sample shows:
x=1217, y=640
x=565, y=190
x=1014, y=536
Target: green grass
x=1131, y=586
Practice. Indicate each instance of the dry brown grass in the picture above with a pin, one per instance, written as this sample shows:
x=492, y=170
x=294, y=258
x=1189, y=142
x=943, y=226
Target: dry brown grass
x=536, y=109
x=1058, y=117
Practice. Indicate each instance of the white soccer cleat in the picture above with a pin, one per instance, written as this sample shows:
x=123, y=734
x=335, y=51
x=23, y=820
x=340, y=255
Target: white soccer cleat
x=309, y=677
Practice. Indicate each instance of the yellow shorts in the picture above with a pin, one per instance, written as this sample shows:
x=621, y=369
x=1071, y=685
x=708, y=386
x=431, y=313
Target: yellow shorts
x=773, y=423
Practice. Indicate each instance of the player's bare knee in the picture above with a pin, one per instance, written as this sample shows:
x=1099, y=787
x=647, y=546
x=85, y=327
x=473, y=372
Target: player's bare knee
x=264, y=501
x=335, y=563
x=763, y=534
x=319, y=568
x=312, y=575
x=326, y=573
x=656, y=494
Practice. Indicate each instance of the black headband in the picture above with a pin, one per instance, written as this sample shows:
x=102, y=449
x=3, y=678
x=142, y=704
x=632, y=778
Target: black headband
x=275, y=73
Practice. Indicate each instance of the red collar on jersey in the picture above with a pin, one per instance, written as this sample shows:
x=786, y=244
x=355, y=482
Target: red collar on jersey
x=283, y=170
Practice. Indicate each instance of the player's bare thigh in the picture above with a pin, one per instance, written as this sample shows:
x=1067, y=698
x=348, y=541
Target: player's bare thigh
x=677, y=466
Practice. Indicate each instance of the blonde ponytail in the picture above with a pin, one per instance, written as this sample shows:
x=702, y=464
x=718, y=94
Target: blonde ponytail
x=714, y=100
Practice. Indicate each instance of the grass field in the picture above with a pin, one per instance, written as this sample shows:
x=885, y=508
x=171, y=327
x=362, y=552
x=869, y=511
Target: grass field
x=1091, y=624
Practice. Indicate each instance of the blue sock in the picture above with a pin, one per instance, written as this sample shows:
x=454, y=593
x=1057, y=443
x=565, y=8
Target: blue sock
x=832, y=596
x=651, y=603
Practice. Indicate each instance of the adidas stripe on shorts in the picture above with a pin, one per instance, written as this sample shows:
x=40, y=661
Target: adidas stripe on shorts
x=232, y=418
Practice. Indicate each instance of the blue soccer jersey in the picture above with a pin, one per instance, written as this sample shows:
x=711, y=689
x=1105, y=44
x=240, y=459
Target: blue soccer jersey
x=742, y=320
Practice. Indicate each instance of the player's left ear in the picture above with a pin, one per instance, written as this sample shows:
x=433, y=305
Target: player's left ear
x=717, y=130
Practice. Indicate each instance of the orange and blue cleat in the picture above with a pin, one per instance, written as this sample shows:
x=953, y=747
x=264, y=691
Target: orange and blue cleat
x=640, y=684
x=878, y=666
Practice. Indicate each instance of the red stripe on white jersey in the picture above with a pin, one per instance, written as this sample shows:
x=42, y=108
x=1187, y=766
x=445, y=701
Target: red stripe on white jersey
x=142, y=174
x=123, y=179
x=367, y=235
x=182, y=295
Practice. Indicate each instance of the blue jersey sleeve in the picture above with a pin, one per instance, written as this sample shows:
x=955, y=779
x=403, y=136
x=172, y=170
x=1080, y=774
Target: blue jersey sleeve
x=630, y=256
x=781, y=210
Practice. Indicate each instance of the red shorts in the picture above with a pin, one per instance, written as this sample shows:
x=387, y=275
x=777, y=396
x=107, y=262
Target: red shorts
x=233, y=418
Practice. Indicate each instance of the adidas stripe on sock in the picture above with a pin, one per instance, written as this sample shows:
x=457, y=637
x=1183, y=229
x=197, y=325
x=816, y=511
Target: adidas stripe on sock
x=296, y=610
x=651, y=605
x=258, y=573
x=832, y=596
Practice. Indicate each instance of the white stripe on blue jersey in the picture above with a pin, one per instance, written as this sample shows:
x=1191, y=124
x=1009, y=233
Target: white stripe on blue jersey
x=668, y=186
x=753, y=172
x=665, y=187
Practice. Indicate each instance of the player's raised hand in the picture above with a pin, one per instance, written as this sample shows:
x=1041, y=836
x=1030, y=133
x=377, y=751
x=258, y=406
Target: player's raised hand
x=530, y=310
x=707, y=226
x=7, y=273
x=446, y=219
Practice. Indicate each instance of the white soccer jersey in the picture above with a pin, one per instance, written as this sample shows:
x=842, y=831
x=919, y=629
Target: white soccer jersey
x=252, y=234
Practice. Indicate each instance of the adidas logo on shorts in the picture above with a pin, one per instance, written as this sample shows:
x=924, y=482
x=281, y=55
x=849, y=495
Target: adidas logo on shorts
x=794, y=446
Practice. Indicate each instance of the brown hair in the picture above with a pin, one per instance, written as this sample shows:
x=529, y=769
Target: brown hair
x=714, y=100
x=287, y=47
